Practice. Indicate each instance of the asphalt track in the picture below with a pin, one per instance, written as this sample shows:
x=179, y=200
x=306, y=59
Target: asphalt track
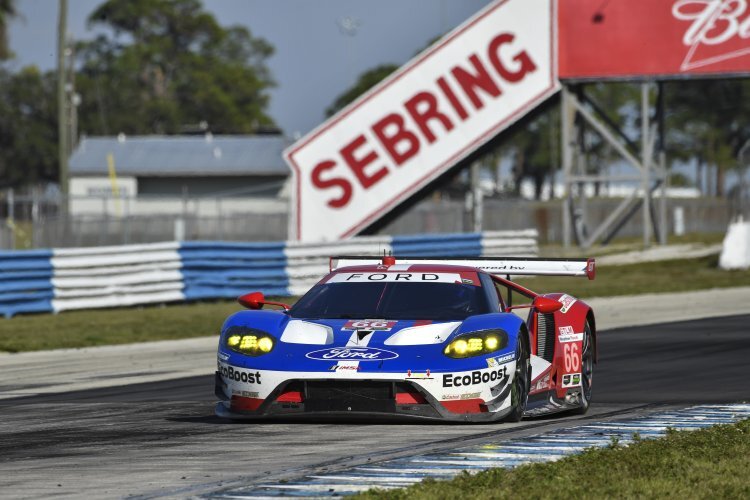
x=161, y=438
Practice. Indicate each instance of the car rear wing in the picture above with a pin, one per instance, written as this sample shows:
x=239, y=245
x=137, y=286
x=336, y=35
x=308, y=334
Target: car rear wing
x=510, y=266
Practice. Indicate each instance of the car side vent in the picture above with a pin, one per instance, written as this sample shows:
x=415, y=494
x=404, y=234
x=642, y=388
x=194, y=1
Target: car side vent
x=545, y=336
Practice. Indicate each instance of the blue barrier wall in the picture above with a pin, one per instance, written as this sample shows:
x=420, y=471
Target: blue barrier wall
x=83, y=278
x=25, y=282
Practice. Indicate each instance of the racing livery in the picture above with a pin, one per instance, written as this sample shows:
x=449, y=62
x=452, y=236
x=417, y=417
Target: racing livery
x=414, y=338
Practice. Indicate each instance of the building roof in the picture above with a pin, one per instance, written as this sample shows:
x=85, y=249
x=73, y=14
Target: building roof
x=170, y=156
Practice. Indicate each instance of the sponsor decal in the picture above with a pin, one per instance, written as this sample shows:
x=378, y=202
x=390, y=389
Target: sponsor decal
x=245, y=394
x=351, y=354
x=567, y=334
x=450, y=397
x=395, y=277
x=541, y=384
x=476, y=377
x=470, y=395
x=567, y=301
x=571, y=380
x=239, y=375
x=379, y=325
x=223, y=356
x=492, y=362
x=343, y=368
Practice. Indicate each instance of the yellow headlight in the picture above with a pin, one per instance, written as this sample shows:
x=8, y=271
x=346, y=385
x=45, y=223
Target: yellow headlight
x=491, y=343
x=265, y=344
x=250, y=344
x=460, y=346
x=475, y=344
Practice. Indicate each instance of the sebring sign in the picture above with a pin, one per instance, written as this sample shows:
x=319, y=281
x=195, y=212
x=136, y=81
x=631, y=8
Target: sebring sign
x=422, y=120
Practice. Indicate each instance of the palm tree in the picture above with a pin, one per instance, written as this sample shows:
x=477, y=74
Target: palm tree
x=7, y=11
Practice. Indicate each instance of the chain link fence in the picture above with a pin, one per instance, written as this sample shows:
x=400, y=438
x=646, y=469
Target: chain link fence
x=40, y=221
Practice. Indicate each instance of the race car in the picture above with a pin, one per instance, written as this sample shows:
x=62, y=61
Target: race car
x=418, y=338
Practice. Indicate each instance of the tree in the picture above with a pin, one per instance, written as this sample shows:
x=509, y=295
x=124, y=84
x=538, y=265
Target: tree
x=7, y=11
x=365, y=82
x=28, y=128
x=709, y=120
x=165, y=64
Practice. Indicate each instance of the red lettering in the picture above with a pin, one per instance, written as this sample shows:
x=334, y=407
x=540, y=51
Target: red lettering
x=457, y=106
x=480, y=79
x=391, y=141
x=340, y=182
x=423, y=108
x=358, y=165
x=493, y=53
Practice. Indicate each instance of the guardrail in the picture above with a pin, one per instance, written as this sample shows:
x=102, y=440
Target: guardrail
x=94, y=277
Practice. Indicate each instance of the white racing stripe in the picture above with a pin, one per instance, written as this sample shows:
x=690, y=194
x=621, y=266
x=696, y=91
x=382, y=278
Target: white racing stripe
x=551, y=446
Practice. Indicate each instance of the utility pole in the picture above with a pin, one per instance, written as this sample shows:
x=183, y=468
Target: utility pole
x=62, y=105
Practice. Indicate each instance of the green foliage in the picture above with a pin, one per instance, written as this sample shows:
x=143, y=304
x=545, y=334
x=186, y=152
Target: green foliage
x=369, y=79
x=165, y=64
x=708, y=120
x=28, y=127
x=365, y=82
x=709, y=463
x=7, y=11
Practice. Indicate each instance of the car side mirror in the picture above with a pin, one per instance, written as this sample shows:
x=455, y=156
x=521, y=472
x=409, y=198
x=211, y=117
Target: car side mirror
x=254, y=300
x=546, y=305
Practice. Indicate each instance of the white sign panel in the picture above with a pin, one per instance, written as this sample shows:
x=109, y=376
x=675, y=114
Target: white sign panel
x=423, y=119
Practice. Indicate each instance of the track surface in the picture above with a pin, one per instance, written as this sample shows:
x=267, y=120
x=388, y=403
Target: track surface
x=162, y=438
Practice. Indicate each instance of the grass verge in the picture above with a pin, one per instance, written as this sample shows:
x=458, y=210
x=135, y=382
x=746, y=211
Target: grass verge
x=122, y=326
x=709, y=463
x=648, y=277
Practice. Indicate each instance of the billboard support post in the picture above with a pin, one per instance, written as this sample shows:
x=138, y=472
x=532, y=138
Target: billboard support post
x=566, y=115
x=646, y=162
x=651, y=175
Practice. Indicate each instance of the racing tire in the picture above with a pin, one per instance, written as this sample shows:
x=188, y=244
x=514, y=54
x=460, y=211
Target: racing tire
x=587, y=370
x=519, y=391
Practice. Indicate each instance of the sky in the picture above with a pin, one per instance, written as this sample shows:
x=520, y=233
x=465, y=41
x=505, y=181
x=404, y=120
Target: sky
x=315, y=60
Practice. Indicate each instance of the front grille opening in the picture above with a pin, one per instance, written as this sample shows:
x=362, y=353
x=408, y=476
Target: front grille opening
x=354, y=395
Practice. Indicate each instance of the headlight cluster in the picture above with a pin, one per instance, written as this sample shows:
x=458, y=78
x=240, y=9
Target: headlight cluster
x=249, y=342
x=476, y=343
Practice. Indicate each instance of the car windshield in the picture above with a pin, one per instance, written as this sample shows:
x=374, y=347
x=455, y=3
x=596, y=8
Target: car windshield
x=431, y=301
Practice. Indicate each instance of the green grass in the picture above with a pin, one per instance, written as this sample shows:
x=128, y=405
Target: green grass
x=121, y=326
x=628, y=244
x=709, y=463
x=113, y=326
x=656, y=277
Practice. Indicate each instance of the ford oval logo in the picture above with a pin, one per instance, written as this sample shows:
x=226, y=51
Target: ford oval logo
x=352, y=354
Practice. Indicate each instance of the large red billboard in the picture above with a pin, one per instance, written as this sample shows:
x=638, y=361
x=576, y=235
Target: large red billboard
x=652, y=38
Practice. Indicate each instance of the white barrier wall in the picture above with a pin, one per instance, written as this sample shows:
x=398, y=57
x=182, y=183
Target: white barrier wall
x=94, y=277
x=735, y=253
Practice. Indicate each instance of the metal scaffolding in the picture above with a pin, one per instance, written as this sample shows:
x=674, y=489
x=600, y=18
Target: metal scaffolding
x=647, y=158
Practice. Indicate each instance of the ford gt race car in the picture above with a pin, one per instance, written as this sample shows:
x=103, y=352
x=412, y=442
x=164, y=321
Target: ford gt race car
x=424, y=338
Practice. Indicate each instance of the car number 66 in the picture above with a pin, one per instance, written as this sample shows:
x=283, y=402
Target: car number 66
x=572, y=357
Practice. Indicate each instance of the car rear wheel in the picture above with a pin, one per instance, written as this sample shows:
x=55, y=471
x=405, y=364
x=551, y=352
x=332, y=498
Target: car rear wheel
x=587, y=370
x=519, y=391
